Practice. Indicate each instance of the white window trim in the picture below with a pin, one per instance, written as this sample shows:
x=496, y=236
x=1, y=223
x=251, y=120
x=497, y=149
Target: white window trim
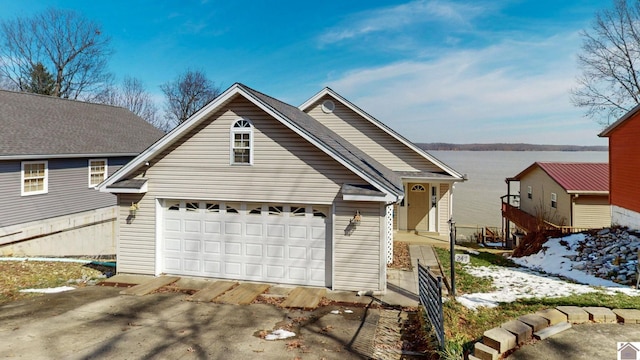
x=106, y=171
x=232, y=133
x=529, y=192
x=554, y=200
x=46, y=178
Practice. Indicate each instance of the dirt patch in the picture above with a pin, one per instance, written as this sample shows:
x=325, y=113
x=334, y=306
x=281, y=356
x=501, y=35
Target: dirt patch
x=17, y=275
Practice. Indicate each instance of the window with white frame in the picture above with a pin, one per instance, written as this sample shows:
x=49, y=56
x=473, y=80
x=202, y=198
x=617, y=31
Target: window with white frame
x=34, y=177
x=554, y=200
x=97, y=171
x=529, y=192
x=242, y=142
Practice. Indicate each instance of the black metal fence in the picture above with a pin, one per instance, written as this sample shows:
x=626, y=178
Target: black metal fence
x=430, y=292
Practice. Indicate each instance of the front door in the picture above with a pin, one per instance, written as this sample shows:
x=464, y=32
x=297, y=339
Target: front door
x=418, y=206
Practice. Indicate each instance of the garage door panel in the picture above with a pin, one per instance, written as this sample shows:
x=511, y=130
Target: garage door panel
x=232, y=269
x=232, y=228
x=275, y=246
x=172, y=225
x=212, y=267
x=254, y=250
x=212, y=247
x=192, y=226
x=297, y=232
x=275, y=252
x=254, y=230
x=212, y=227
x=232, y=248
x=297, y=253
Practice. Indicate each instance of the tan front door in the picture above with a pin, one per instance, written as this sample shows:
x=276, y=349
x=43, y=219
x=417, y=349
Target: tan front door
x=418, y=207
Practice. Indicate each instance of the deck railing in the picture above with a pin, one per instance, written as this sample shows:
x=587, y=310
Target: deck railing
x=430, y=292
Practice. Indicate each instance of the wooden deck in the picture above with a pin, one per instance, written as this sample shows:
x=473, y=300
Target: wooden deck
x=212, y=291
x=304, y=298
x=150, y=286
x=243, y=294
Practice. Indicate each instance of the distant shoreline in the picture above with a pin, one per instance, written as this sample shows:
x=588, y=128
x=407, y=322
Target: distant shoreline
x=508, y=147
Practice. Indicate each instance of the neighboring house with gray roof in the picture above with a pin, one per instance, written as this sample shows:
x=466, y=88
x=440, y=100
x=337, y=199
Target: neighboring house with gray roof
x=252, y=188
x=53, y=153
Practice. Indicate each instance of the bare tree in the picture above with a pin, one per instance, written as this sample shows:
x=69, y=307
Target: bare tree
x=132, y=95
x=187, y=94
x=69, y=47
x=610, y=60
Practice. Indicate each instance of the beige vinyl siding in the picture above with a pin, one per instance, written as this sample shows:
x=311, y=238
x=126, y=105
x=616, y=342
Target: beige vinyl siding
x=68, y=191
x=542, y=186
x=358, y=263
x=443, y=209
x=592, y=212
x=370, y=139
x=286, y=169
x=136, y=245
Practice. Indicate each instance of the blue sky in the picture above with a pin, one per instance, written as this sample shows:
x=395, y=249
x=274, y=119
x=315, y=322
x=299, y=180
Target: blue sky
x=436, y=71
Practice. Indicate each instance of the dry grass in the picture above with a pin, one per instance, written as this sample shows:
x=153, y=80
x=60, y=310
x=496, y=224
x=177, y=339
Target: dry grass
x=401, y=256
x=17, y=275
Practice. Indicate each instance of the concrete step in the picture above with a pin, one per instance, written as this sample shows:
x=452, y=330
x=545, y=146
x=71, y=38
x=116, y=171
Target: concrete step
x=536, y=322
x=552, y=330
x=628, y=316
x=601, y=315
x=553, y=315
x=522, y=331
x=499, y=339
x=575, y=314
x=484, y=352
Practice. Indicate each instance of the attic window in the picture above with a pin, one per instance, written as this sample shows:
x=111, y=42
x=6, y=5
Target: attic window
x=328, y=106
x=554, y=200
x=97, y=171
x=529, y=192
x=242, y=142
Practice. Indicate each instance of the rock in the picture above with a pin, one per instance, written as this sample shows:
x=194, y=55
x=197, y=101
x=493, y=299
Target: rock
x=604, y=231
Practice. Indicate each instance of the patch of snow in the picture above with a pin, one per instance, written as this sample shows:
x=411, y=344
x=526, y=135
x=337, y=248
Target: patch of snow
x=335, y=312
x=48, y=290
x=529, y=281
x=348, y=311
x=280, y=334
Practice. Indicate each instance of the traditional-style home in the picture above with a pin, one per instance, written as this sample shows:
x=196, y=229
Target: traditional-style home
x=53, y=153
x=554, y=195
x=252, y=188
x=624, y=164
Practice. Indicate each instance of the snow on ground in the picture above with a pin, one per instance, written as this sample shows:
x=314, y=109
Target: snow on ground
x=528, y=281
x=48, y=290
x=280, y=334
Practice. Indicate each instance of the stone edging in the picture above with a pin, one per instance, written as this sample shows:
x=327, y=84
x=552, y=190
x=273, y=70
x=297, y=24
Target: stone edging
x=542, y=324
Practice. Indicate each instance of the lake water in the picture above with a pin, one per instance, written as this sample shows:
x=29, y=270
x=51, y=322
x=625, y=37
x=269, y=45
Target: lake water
x=477, y=201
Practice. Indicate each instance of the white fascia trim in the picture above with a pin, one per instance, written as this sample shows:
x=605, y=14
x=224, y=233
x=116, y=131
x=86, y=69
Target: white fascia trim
x=62, y=156
x=383, y=127
x=169, y=138
x=386, y=199
x=143, y=190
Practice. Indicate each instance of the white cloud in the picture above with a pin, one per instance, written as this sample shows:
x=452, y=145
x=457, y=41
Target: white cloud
x=508, y=92
x=397, y=17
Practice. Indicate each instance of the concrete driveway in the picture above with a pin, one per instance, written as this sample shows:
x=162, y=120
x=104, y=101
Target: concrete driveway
x=97, y=323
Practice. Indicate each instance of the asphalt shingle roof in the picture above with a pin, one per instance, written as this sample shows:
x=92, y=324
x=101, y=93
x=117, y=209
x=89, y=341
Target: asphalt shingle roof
x=331, y=140
x=45, y=125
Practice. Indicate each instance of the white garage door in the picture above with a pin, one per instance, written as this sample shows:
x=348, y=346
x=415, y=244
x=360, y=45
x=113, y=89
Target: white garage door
x=244, y=241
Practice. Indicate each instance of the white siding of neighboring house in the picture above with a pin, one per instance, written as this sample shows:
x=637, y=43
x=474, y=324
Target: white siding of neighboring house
x=287, y=169
x=359, y=250
x=369, y=138
x=444, y=209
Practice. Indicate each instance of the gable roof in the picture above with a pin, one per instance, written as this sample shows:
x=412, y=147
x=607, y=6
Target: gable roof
x=303, y=124
x=609, y=129
x=39, y=126
x=328, y=91
x=575, y=178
